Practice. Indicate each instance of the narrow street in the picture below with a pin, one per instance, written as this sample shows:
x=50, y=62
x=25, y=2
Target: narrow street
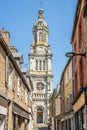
x=43, y=128
x=43, y=65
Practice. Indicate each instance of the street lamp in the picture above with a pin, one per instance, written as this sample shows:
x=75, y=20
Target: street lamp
x=72, y=54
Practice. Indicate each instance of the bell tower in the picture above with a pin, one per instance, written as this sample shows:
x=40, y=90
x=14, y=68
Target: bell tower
x=40, y=70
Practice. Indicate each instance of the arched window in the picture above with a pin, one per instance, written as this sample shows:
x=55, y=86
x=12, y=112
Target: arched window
x=35, y=37
x=40, y=36
x=43, y=64
x=40, y=64
x=36, y=64
x=40, y=23
x=45, y=37
x=39, y=115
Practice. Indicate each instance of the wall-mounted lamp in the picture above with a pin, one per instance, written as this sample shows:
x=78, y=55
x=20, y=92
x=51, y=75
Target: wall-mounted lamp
x=72, y=54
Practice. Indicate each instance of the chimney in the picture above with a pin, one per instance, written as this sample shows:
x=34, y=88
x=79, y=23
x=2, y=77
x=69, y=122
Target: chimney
x=13, y=49
x=6, y=36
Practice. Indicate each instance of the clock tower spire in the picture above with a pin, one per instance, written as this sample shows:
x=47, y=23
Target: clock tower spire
x=40, y=30
x=40, y=70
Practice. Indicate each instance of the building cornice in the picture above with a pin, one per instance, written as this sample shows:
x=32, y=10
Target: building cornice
x=40, y=55
x=40, y=75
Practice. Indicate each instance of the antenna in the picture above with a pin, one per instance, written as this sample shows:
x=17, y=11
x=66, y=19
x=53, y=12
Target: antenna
x=41, y=4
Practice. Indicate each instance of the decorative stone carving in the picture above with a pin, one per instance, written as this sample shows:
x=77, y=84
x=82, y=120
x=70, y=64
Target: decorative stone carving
x=40, y=86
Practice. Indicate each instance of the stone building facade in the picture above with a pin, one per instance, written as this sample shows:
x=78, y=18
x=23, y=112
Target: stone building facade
x=61, y=108
x=66, y=96
x=3, y=89
x=57, y=118
x=55, y=109
x=79, y=43
x=14, y=90
x=40, y=71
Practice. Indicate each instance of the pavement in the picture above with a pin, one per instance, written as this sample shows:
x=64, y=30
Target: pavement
x=43, y=128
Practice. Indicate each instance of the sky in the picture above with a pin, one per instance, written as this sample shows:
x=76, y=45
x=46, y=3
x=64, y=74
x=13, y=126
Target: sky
x=19, y=16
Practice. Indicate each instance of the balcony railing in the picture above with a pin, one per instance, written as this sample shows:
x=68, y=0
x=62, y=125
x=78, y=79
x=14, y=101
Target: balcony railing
x=39, y=96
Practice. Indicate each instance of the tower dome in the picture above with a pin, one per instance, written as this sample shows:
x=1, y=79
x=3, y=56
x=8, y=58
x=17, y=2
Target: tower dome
x=40, y=30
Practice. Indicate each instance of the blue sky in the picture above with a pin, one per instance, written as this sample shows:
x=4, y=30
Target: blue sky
x=19, y=16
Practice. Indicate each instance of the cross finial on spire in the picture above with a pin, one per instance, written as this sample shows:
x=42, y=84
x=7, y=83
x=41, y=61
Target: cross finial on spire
x=41, y=4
